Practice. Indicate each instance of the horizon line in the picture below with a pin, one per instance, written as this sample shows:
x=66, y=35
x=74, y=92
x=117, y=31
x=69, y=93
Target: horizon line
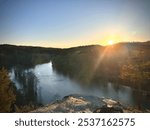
x=19, y=45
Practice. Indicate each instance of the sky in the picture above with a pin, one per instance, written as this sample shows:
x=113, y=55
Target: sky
x=69, y=23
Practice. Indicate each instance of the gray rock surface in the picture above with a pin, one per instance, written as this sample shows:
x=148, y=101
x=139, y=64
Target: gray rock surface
x=82, y=104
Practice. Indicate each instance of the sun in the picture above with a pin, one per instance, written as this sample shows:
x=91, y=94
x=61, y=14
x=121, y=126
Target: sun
x=110, y=42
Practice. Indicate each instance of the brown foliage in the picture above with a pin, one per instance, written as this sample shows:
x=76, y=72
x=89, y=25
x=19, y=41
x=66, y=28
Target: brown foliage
x=7, y=96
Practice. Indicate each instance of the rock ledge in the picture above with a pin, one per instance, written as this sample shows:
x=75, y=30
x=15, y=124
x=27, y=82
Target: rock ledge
x=84, y=104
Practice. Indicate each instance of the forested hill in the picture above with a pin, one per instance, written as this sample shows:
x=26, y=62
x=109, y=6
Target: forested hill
x=12, y=48
x=26, y=56
x=125, y=62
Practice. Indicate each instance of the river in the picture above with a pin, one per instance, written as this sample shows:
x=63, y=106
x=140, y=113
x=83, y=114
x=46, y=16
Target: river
x=43, y=85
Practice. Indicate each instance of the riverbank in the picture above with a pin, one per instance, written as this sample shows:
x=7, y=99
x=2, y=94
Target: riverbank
x=86, y=104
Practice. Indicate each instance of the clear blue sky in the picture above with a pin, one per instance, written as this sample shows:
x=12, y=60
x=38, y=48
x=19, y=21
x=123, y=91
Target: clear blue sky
x=66, y=23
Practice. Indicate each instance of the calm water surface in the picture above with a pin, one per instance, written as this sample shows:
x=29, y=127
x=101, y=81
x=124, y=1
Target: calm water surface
x=44, y=85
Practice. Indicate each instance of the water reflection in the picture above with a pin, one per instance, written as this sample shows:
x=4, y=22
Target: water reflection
x=26, y=83
x=43, y=85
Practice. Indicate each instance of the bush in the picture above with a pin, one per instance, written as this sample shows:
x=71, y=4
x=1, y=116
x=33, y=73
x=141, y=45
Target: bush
x=7, y=96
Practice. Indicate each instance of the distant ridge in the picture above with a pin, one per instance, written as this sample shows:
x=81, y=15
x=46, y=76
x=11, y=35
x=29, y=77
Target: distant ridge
x=147, y=43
